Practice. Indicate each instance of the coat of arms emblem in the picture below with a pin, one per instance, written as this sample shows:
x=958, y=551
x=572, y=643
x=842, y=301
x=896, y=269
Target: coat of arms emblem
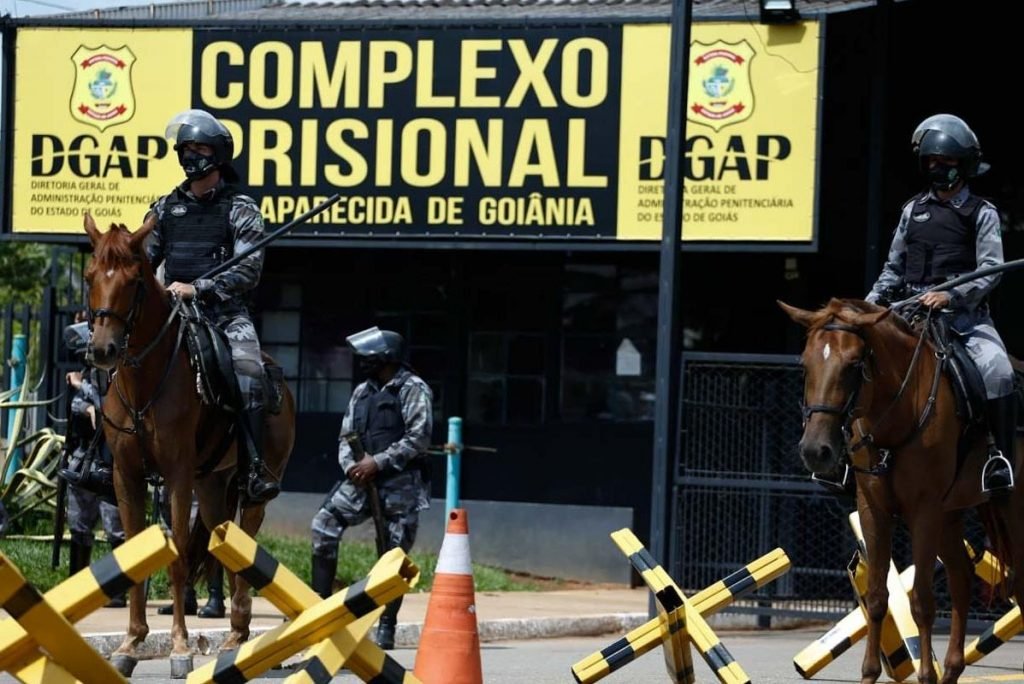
x=102, y=95
x=719, y=91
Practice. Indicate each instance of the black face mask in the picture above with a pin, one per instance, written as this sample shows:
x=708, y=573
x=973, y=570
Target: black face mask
x=370, y=366
x=943, y=176
x=197, y=165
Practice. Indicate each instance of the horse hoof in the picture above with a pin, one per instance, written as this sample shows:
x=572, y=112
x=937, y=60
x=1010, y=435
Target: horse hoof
x=181, y=665
x=124, y=664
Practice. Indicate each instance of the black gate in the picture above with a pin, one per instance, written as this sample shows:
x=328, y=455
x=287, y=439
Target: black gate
x=740, y=490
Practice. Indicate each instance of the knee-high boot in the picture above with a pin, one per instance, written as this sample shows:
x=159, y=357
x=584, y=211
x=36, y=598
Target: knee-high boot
x=997, y=475
x=214, y=607
x=387, y=624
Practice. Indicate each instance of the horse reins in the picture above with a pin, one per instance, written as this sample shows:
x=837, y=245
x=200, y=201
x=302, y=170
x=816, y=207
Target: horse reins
x=846, y=411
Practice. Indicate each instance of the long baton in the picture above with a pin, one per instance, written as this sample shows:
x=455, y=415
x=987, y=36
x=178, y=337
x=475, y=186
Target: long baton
x=270, y=238
x=960, y=280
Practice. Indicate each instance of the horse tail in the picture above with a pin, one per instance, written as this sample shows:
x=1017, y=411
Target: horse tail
x=197, y=553
x=999, y=536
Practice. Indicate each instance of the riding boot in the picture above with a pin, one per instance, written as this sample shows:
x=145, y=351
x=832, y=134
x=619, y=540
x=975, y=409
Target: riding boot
x=259, y=489
x=386, y=626
x=214, y=607
x=324, y=570
x=191, y=604
x=121, y=600
x=997, y=473
x=79, y=555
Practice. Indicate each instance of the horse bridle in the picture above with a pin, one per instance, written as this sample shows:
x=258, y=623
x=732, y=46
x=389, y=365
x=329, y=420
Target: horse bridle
x=127, y=321
x=845, y=412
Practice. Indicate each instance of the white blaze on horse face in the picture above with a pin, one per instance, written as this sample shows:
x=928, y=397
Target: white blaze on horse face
x=827, y=351
x=110, y=273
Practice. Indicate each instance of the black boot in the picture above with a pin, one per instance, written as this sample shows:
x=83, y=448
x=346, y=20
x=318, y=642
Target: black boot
x=386, y=626
x=191, y=604
x=214, y=607
x=121, y=600
x=79, y=555
x=997, y=474
x=324, y=570
x=259, y=488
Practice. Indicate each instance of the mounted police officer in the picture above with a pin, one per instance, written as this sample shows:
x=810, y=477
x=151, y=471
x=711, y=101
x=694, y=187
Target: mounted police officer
x=90, y=490
x=943, y=232
x=201, y=224
x=392, y=416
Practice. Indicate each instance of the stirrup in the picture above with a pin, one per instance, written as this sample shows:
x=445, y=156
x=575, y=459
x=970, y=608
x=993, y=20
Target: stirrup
x=837, y=485
x=991, y=467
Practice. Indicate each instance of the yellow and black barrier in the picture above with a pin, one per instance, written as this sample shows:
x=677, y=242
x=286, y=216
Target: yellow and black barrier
x=341, y=622
x=1004, y=629
x=840, y=638
x=897, y=657
x=39, y=643
x=672, y=627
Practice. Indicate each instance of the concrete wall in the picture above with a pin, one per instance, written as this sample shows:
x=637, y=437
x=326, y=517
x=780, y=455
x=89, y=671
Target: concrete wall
x=546, y=540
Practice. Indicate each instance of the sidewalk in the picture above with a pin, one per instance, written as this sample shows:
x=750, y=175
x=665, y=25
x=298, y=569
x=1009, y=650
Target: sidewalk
x=501, y=616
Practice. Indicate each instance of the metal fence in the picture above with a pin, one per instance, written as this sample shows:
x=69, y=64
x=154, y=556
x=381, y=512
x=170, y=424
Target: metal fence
x=740, y=490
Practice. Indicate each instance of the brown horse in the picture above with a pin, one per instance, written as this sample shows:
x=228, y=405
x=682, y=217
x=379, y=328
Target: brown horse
x=856, y=359
x=154, y=421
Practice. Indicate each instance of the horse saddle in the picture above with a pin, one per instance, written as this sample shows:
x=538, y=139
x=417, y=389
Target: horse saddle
x=209, y=353
x=968, y=385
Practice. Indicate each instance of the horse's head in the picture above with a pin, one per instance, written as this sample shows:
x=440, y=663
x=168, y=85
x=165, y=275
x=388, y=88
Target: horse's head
x=833, y=359
x=116, y=277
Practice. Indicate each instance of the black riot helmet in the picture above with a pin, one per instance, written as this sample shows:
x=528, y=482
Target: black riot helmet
x=201, y=127
x=945, y=135
x=375, y=348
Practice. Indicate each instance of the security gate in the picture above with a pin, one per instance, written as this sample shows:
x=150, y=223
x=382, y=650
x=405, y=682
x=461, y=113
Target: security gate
x=740, y=490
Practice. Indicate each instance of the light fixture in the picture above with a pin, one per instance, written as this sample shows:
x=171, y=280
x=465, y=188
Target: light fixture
x=779, y=11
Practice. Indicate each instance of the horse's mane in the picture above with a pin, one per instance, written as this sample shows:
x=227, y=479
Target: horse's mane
x=841, y=309
x=114, y=248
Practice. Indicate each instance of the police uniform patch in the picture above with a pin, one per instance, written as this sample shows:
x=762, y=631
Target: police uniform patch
x=179, y=210
x=921, y=218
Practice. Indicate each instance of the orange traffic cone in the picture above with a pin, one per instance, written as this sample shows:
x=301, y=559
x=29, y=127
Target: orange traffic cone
x=449, y=650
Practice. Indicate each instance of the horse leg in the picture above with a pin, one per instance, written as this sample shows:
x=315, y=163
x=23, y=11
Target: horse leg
x=878, y=541
x=180, y=492
x=215, y=508
x=925, y=533
x=130, y=488
x=958, y=577
x=241, y=601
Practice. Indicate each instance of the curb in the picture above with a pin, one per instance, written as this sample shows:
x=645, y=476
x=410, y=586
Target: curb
x=407, y=635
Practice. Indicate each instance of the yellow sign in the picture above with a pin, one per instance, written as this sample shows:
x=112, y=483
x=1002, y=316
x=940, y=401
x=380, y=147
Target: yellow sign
x=92, y=138
x=546, y=132
x=751, y=133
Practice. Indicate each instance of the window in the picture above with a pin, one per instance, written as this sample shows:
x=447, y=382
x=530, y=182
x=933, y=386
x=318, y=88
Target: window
x=506, y=378
x=609, y=318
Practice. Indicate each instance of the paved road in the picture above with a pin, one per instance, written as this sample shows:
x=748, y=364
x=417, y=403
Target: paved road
x=766, y=657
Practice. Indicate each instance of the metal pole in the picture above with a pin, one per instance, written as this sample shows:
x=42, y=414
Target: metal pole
x=19, y=353
x=876, y=140
x=451, y=490
x=669, y=355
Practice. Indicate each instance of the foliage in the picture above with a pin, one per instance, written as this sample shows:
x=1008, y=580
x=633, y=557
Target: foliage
x=22, y=265
x=33, y=558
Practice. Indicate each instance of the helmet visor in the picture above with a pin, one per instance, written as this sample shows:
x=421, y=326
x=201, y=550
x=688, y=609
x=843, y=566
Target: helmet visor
x=196, y=119
x=369, y=342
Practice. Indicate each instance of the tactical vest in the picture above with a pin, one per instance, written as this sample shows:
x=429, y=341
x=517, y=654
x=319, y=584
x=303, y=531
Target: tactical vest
x=941, y=240
x=197, y=236
x=377, y=418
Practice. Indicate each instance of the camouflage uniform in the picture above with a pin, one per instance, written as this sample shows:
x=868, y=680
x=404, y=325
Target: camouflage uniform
x=85, y=507
x=971, y=320
x=403, y=493
x=223, y=297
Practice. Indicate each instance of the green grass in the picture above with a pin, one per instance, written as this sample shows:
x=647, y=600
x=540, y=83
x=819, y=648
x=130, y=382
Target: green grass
x=355, y=561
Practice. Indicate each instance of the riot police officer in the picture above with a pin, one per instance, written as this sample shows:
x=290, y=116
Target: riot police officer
x=200, y=224
x=90, y=490
x=945, y=231
x=391, y=414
